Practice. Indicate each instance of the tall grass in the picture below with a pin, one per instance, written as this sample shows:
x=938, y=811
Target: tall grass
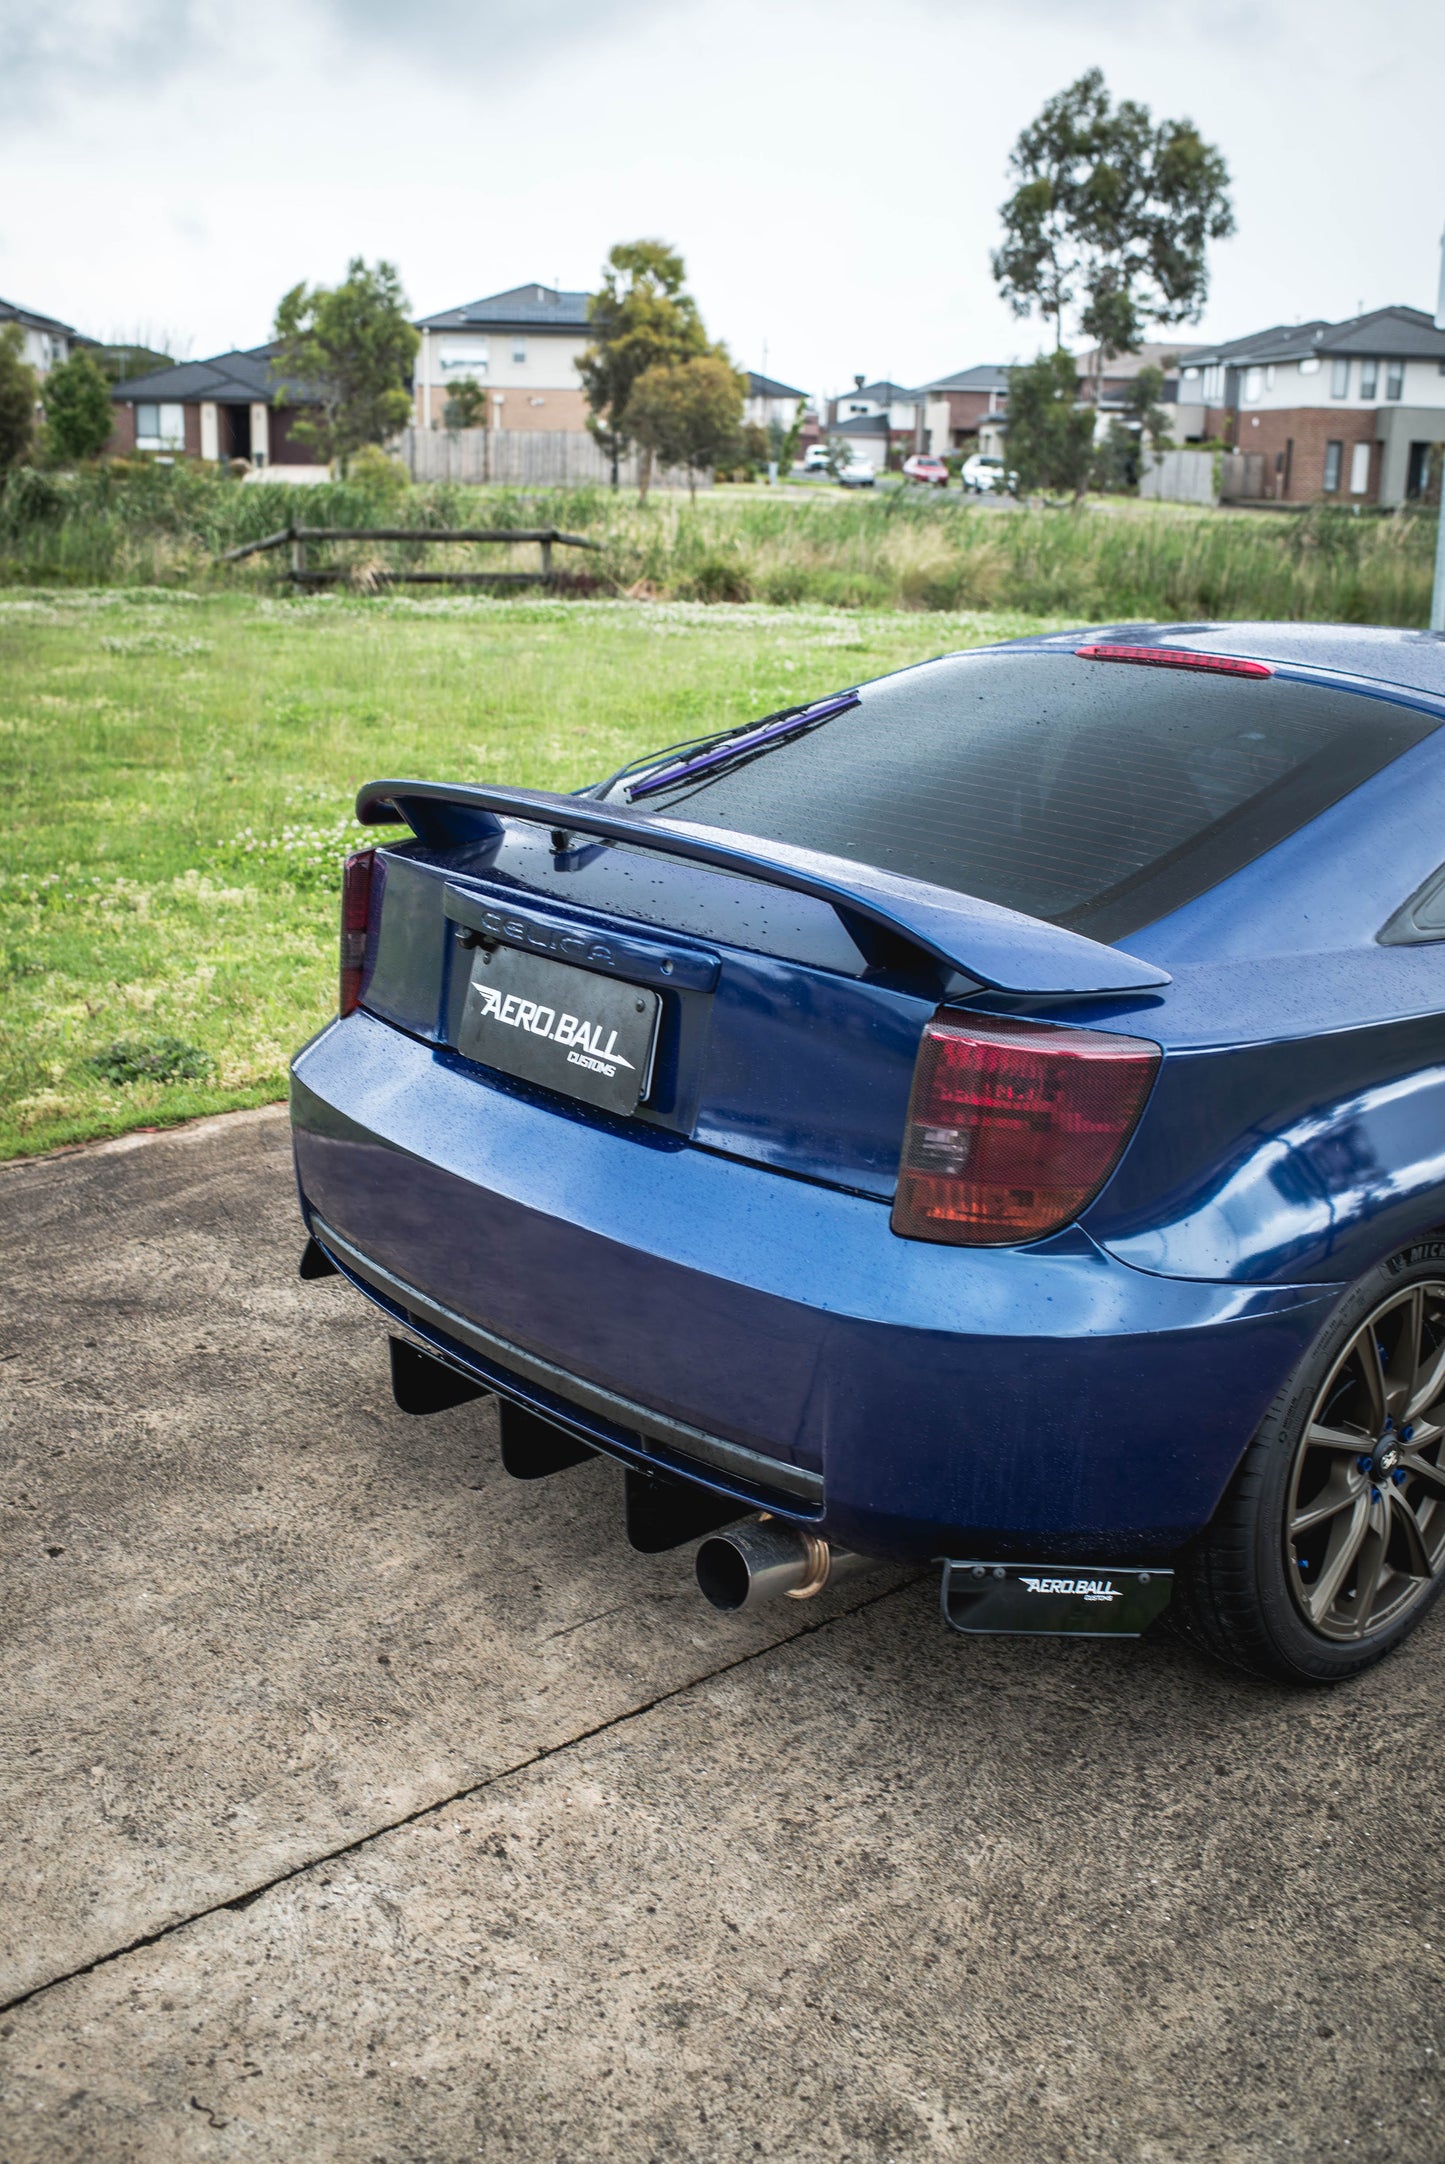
x=140, y=524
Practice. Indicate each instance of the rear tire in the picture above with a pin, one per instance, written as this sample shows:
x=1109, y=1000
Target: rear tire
x=1329, y=1547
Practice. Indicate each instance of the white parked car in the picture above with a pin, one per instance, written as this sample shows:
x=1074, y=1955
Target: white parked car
x=815, y=458
x=858, y=473
x=984, y=474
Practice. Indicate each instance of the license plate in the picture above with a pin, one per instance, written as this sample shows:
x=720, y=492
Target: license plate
x=1053, y=1600
x=589, y=1036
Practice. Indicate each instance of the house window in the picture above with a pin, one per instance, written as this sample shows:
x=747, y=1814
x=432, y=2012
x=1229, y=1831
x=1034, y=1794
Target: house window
x=160, y=428
x=1394, y=379
x=1369, y=379
x=470, y=361
x=1360, y=470
x=1269, y=377
x=519, y=350
x=1339, y=379
x=1253, y=385
x=1214, y=384
x=1311, y=367
x=1191, y=375
x=1334, y=455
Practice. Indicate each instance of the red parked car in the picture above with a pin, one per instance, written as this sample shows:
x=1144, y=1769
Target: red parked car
x=921, y=467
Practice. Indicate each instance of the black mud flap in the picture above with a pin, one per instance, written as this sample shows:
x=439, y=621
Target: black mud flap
x=315, y=1262
x=1053, y=1600
x=663, y=1513
x=532, y=1447
x=421, y=1384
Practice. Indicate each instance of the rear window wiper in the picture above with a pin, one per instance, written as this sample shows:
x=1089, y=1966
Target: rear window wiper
x=706, y=755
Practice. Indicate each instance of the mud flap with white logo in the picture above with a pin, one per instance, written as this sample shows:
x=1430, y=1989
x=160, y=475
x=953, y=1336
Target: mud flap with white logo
x=1053, y=1600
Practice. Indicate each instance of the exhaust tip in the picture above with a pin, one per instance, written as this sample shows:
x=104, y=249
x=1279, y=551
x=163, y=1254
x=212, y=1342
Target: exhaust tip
x=723, y=1577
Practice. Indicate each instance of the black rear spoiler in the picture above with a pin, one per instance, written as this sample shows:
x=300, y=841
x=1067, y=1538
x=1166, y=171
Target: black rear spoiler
x=1001, y=948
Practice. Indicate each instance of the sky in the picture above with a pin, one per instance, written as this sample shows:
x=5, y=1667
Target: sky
x=831, y=171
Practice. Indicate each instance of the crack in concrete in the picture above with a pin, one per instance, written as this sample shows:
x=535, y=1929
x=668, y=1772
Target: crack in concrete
x=238, y=1902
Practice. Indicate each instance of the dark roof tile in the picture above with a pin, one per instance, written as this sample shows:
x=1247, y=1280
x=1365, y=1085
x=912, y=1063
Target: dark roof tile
x=521, y=308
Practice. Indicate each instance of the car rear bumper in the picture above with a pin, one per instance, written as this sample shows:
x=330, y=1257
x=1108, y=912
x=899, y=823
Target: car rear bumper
x=774, y=1338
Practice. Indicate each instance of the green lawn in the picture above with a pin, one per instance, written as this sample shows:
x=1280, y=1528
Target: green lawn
x=179, y=772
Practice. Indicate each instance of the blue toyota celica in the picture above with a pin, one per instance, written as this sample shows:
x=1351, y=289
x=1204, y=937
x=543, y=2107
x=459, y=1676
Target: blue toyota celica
x=992, y=1116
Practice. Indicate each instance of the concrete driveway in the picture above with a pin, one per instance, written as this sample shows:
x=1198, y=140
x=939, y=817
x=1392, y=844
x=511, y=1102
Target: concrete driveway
x=360, y=1803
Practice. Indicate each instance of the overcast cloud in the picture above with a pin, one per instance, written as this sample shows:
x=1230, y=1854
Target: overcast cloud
x=830, y=170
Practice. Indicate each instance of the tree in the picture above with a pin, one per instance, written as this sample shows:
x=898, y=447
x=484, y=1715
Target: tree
x=1111, y=217
x=783, y=442
x=352, y=346
x=1050, y=435
x=78, y=412
x=1145, y=413
x=466, y=405
x=687, y=413
x=641, y=318
x=19, y=390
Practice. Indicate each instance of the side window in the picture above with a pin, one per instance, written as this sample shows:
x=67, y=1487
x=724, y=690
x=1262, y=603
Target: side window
x=1369, y=379
x=1339, y=379
x=1394, y=379
x=1334, y=455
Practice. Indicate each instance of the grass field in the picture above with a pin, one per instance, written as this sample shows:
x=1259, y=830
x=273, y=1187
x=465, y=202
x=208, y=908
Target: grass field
x=903, y=548
x=178, y=775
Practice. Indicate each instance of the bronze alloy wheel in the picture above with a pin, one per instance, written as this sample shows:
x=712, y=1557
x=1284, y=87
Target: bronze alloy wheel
x=1365, y=1519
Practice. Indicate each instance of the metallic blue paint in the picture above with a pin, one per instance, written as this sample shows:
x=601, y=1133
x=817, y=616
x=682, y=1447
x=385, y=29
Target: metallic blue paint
x=999, y=946
x=924, y=1382
x=725, y=1257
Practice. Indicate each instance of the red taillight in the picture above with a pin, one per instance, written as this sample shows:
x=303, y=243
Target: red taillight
x=1175, y=657
x=355, y=909
x=1013, y=1126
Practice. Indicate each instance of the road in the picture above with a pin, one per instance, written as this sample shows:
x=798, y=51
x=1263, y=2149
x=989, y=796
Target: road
x=360, y=1803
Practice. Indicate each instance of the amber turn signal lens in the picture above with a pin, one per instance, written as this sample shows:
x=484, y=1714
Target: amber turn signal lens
x=1014, y=1126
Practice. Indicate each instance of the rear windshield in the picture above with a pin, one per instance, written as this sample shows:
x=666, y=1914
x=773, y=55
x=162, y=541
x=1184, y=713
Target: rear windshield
x=1094, y=794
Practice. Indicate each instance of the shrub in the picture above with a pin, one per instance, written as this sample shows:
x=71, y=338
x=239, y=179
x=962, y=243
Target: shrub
x=78, y=416
x=165, y=1059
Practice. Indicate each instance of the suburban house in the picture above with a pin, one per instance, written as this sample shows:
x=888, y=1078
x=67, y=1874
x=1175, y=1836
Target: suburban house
x=768, y=401
x=223, y=408
x=955, y=406
x=1107, y=379
x=46, y=342
x=1336, y=412
x=874, y=401
x=523, y=346
x=875, y=418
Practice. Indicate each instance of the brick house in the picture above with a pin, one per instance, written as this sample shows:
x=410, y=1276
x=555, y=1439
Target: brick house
x=223, y=408
x=523, y=345
x=955, y=406
x=1339, y=412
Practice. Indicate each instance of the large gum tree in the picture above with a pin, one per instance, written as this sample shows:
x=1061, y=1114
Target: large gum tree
x=1110, y=219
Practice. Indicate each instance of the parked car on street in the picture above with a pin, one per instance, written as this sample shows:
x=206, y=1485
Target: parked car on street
x=985, y=475
x=858, y=472
x=922, y=467
x=990, y=1116
x=816, y=458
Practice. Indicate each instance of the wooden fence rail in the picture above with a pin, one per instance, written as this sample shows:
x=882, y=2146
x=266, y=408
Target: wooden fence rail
x=301, y=573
